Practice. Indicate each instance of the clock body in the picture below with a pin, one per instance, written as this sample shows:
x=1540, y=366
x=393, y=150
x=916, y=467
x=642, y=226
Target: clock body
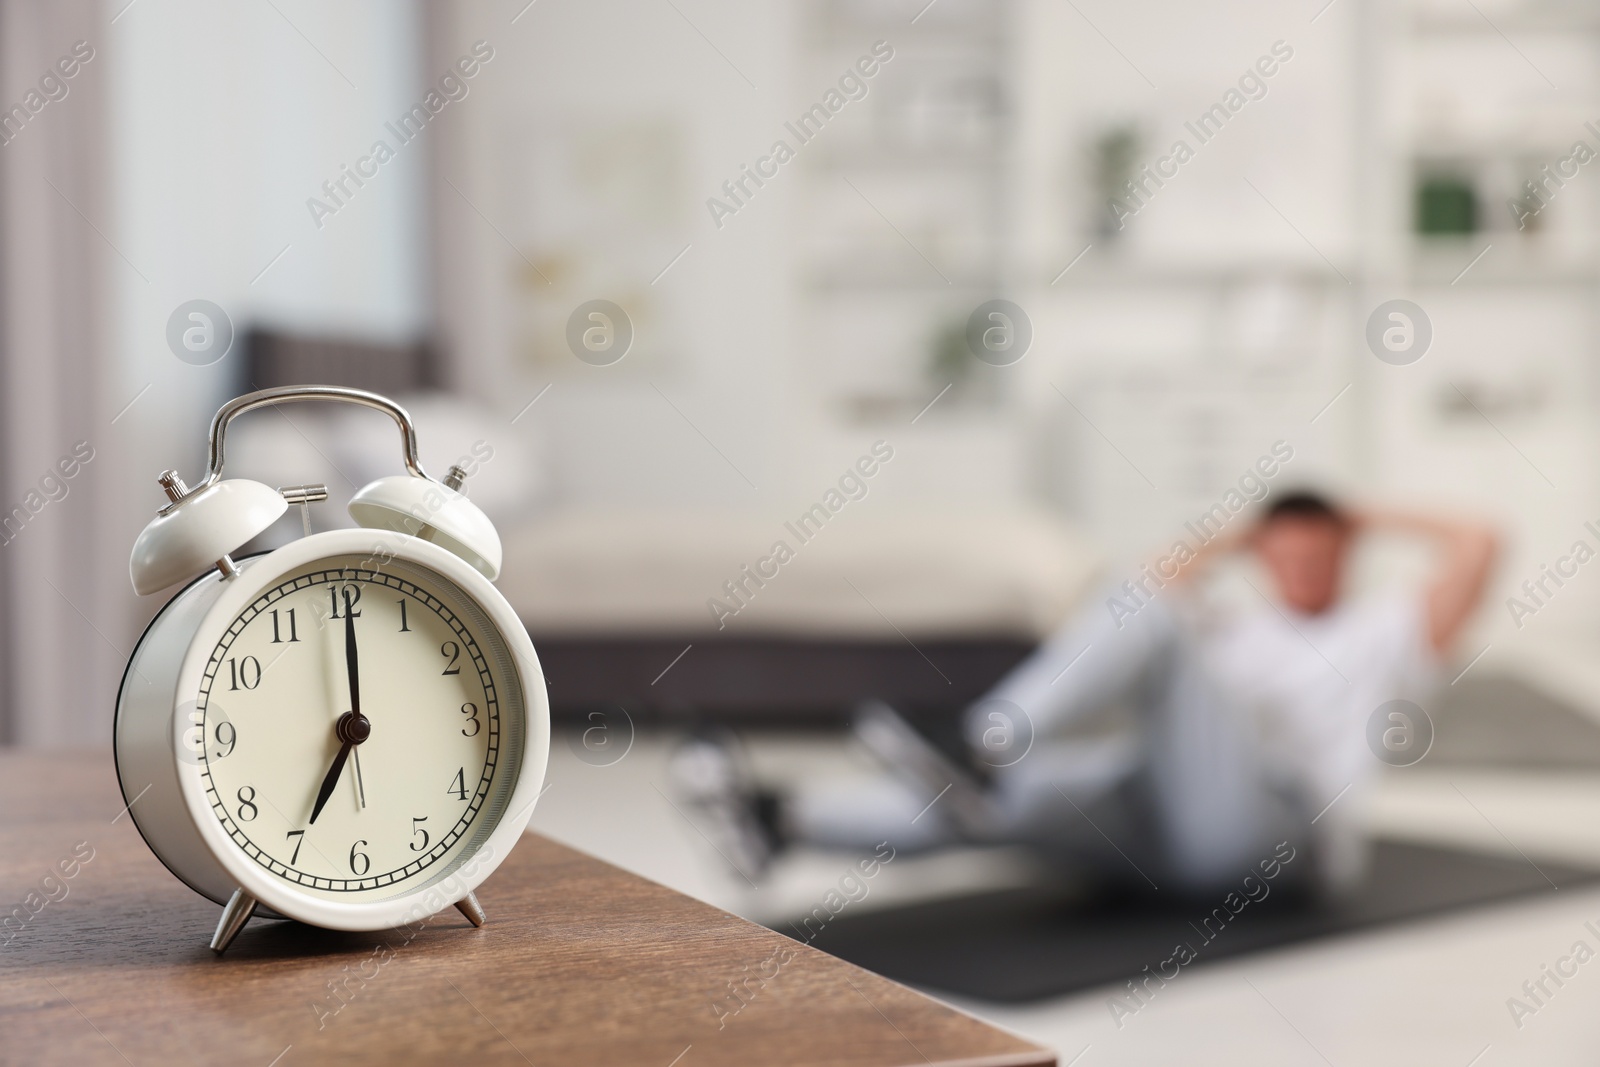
x=226, y=730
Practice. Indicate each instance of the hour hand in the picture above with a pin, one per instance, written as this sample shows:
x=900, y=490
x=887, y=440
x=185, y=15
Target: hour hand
x=331, y=779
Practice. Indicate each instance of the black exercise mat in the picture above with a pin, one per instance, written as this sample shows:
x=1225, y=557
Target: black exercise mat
x=1031, y=944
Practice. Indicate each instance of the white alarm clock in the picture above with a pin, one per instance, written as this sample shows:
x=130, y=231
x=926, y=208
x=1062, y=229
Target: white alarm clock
x=351, y=730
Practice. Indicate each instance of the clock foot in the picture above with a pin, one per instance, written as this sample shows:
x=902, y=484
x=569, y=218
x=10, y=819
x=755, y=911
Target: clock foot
x=234, y=916
x=469, y=906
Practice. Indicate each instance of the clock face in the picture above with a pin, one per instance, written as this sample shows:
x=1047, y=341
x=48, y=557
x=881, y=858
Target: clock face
x=357, y=728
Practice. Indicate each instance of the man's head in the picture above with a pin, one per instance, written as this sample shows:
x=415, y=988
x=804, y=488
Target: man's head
x=1302, y=541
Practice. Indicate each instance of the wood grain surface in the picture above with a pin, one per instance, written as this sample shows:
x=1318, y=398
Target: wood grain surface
x=581, y=963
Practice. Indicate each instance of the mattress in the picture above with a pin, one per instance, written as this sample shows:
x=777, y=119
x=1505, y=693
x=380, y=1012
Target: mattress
x=985, y=573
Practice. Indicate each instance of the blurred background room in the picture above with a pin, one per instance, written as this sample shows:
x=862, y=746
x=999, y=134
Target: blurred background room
x=580, y=258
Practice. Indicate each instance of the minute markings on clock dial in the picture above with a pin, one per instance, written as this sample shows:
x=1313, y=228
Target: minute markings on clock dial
x=427, y=692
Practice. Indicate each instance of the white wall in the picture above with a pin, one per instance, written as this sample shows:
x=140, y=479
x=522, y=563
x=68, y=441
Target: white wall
x=598, y=80
x=224, y=119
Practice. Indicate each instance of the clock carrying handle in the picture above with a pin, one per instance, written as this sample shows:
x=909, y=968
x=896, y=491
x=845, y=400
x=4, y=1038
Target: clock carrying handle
x=292, y=394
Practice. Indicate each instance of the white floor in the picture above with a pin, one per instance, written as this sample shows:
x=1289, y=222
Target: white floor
x=1433, y=992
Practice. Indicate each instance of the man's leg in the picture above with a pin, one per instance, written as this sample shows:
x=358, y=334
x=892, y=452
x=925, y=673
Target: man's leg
x=1089, y=663
x=1186, y=799
x=1209, y=787
x=1183, y=804
x=1092, y=661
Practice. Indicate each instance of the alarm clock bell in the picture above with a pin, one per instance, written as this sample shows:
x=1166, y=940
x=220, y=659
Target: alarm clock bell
x=199, y=528
x=433, y=511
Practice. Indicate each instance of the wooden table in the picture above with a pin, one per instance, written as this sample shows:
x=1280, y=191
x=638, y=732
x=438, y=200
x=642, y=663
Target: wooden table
x=581, y=963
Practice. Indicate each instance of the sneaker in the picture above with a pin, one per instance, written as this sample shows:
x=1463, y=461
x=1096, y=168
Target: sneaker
x=709, y=774
x=916, y=760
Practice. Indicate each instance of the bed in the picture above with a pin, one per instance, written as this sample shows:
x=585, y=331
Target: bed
x=924, y=610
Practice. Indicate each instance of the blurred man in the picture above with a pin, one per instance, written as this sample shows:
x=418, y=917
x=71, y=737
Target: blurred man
x=1243, y=730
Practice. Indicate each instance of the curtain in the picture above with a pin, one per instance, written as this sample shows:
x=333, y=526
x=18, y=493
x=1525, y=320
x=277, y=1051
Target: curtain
x=62, y=596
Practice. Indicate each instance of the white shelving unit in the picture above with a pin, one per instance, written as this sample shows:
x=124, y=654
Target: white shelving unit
x=905, y=196
x=1502, y=410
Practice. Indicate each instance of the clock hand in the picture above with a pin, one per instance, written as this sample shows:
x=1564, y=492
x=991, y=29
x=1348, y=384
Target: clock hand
x=330, y=780
x=361, y=788
x=353, y=673
x=350, y=661
x=352, y=729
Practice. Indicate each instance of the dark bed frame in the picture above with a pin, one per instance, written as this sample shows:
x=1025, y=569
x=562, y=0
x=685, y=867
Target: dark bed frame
x=788, y=680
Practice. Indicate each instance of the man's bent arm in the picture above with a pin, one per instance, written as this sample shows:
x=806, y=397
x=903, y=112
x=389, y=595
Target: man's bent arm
x=1467, y=552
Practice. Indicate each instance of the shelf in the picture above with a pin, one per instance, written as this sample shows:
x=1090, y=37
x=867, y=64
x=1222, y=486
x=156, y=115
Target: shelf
x=939, y=141
x=1514, y=260
x=888, y=157
x=851, y=21
x=1532, y=18
x=1113, y=268
x=845, y=283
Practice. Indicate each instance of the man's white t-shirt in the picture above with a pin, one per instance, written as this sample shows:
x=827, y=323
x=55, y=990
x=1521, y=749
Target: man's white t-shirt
x=1312, y=683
